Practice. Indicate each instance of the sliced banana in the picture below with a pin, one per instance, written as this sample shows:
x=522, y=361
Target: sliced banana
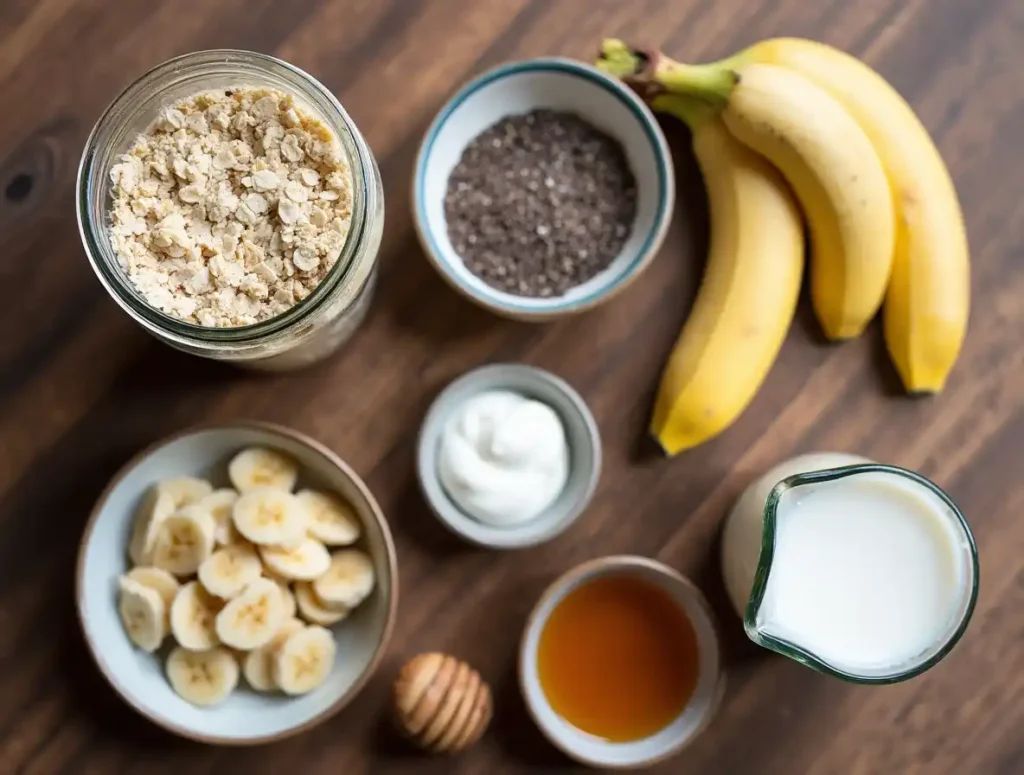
x=143, y=614
x=287, y=596
x=183, y=541
x=258, y=467
x=270, y=517
x=313, y=610
x=348, y=581
x=258, y=664
x=251, y=619
x=304, y=660
x=154, y=508
x=305, y=562
x=221, y=504
x=160, y=580
x=184, y=490
x=202, y=677
x=230, y=569
x=331, y=520
x=273, y=576
x=194, y=616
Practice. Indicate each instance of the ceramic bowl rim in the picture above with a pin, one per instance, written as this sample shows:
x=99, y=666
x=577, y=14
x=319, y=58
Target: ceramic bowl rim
x=392, y=570
x=653, y=240
x=591, y=569
x=433, y=412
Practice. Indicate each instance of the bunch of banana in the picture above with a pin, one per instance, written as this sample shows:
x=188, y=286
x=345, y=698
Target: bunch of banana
x=881, y=209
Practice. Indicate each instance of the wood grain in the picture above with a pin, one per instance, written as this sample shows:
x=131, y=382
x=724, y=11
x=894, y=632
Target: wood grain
x=82, y=388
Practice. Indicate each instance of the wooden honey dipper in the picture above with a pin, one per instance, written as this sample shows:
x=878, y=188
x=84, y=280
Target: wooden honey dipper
x=441, y=703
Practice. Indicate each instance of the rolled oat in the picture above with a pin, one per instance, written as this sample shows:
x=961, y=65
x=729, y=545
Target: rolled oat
x=231, y=208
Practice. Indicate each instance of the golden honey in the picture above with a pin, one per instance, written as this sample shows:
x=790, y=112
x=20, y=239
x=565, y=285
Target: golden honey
x=618, y=658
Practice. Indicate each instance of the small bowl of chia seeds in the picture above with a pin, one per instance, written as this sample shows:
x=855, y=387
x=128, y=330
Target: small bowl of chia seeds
x=542, y=189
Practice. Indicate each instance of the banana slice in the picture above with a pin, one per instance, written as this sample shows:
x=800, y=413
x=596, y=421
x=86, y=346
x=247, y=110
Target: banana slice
x=160, y=580
x=230, y=569
x=313, y=610
x=251, y=619
x=331, y=520
x=163, y=582
x=184, y=490
x=154, y=508
x=202, y=677
x=258, y=664
x=258, y=467
x=270, y=517
x=193, y=617
x=304, y=660
x=287, y=596
x=143, y=614
x=183, y=541
x=221, y=504
x=305, y=562
x=349, y=580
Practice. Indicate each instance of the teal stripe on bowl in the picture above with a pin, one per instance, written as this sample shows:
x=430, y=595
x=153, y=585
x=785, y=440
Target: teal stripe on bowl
x=611, y=86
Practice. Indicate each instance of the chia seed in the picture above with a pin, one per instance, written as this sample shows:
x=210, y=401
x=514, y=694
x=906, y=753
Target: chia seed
x=540, y=203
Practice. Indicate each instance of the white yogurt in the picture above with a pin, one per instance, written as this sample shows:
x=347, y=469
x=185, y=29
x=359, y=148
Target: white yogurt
x=870, y=572
x=504, y=458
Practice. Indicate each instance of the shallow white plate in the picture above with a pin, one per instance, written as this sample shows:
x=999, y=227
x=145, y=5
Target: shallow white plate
x=246, y=717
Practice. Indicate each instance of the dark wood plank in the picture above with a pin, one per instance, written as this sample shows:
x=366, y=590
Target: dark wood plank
x=82, y=388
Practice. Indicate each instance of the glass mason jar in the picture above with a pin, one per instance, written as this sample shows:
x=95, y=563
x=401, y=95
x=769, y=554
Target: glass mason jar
x=320, y=323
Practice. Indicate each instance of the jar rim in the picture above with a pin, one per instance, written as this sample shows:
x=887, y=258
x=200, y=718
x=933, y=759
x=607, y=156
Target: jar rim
x=102, y=255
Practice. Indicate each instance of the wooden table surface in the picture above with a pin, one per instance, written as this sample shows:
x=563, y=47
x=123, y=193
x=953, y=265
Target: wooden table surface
x=83, y=388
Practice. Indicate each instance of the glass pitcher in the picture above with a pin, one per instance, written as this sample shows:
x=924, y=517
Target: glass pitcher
x=770, y=583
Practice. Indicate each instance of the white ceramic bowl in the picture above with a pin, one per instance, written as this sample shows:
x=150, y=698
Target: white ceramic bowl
x=246, y=717
x=520, y=87
x=592, y=750
x=581, y=433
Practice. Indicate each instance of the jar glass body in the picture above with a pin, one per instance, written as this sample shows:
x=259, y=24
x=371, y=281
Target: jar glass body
x=320, y=323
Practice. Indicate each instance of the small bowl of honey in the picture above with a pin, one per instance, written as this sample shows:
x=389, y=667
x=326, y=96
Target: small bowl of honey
x=620, y=663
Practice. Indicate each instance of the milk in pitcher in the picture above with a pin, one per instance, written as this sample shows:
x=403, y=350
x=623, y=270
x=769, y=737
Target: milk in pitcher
x=870, y=573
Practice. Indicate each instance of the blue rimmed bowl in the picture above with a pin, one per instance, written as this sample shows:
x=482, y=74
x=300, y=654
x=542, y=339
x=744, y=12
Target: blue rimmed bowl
x=520, y=87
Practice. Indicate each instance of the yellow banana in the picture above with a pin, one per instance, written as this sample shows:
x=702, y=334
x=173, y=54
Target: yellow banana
x=927, y=303
x=822, y=152
x=748, y=295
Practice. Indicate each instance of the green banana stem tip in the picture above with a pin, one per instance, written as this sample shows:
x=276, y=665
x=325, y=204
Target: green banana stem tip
x=651, y=73
x=635, y=67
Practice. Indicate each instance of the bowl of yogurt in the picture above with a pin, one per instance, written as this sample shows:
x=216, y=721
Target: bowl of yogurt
x=509, y=456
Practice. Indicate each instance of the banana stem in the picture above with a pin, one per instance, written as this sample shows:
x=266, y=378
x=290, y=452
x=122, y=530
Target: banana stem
x=651, y=73
x=691, y=111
